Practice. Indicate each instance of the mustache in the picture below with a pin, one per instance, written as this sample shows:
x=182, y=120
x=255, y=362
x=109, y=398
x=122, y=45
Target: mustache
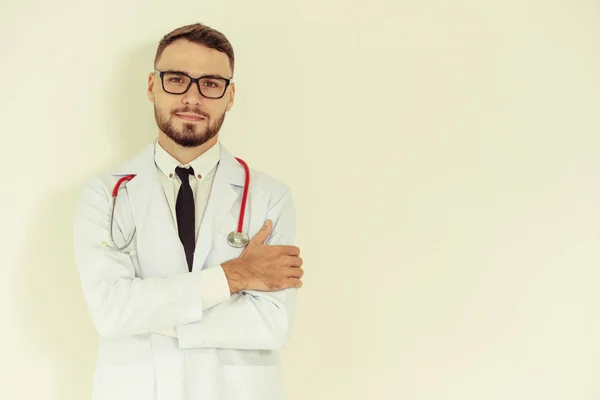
x=188, y=110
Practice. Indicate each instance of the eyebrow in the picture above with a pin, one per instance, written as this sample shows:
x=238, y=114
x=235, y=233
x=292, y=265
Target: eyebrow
x=172, y=71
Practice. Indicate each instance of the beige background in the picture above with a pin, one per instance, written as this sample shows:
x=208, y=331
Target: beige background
x=443, y=159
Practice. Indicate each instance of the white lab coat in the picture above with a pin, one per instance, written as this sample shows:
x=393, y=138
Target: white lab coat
x=227, y=352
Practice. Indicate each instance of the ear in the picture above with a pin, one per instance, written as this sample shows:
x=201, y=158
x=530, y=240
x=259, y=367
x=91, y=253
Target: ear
x=231, y=96
x=151, y=87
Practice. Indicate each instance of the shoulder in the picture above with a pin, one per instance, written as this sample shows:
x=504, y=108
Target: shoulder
x=101, y=184
x=272, y=186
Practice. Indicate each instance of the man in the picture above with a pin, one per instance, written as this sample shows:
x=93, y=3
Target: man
x=182, y=314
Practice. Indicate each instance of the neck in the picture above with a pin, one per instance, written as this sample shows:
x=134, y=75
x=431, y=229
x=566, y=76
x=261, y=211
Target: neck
x=184, y=154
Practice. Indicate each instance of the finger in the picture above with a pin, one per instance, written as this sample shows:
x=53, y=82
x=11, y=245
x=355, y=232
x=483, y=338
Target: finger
x=295, y=261
x=292, y=272
x=287, y=250
x=264, y=232
x=294, y=283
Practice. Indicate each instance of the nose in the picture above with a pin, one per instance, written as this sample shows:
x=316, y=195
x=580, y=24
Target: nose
x=193, y=96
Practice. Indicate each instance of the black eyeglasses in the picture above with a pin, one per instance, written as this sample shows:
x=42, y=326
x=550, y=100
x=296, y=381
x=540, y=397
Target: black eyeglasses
x=209, y=86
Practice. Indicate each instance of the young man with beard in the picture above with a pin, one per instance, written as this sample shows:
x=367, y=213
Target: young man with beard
x=181, y=313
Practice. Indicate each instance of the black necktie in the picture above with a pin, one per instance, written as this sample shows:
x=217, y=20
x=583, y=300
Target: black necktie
x=186, y=213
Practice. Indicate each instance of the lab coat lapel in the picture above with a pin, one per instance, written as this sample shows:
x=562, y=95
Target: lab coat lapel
x=138, y=188
x=160, y=250
x=226, y=189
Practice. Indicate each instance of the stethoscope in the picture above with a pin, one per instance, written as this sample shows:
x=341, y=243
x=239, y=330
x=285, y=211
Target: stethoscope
x=237, y=238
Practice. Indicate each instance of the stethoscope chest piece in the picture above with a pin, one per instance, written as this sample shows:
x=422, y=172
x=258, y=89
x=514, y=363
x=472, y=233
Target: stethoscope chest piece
x=238, y=239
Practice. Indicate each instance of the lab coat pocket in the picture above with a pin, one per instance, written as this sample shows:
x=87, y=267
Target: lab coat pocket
x=124, y=382
x=253, y=382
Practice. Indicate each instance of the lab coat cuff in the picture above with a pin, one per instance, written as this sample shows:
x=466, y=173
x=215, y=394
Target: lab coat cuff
x=214, y=286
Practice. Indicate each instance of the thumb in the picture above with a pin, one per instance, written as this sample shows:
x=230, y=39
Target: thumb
x=263, y=234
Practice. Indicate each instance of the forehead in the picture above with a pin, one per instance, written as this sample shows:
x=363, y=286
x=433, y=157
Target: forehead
x=195, y=59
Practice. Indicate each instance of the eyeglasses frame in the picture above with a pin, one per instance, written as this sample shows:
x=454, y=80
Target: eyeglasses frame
x=161, y=74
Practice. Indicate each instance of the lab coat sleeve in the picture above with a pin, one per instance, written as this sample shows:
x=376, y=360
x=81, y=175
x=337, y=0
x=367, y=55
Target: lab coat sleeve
x=121, y=304
x=215, y=289
x=251, y=319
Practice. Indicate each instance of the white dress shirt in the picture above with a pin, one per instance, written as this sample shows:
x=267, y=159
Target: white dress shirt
x=215, y=287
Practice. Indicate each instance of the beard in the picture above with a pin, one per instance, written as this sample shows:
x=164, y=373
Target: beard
x=189, y=135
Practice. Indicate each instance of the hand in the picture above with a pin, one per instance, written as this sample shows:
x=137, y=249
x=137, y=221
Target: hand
x=264, y=267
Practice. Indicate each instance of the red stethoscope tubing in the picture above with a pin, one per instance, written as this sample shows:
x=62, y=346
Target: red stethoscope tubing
x=244, y=195
x=123, y=179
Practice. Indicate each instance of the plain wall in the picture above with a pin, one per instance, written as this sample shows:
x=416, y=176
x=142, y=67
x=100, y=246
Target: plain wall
x=443, y=157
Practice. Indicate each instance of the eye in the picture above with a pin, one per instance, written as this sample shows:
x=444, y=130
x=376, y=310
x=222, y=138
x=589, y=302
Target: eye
x=213, y=84
x=175, y=79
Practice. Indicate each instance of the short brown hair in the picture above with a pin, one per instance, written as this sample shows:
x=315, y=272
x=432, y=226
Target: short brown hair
x=201, y=34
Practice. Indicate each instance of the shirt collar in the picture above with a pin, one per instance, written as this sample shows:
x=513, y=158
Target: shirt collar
x=202, y=165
